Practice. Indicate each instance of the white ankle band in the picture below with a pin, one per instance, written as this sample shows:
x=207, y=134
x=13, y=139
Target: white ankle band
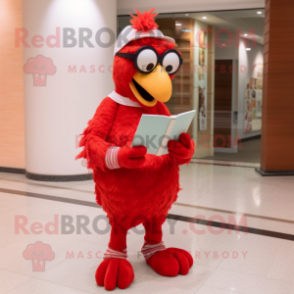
x=148, y=250
x=110, y=253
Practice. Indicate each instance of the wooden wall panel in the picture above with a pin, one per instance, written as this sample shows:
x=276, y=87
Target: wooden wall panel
x=12, y=147
x=223, y=103
x=278, y=99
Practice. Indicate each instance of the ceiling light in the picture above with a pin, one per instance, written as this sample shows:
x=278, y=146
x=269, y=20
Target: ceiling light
x=248, y=49
x=204, y=17
x=224, y=44
x=259, y=12
x=245, y=35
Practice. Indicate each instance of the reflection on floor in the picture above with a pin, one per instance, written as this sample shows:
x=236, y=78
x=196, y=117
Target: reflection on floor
x=225, y=261
x=248, y=151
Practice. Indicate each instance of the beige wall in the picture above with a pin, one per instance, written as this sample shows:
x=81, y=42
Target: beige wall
x=11, y=88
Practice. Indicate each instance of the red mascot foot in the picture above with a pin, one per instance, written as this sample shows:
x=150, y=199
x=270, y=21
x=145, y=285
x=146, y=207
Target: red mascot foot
x=114, y=272
x=171, y=262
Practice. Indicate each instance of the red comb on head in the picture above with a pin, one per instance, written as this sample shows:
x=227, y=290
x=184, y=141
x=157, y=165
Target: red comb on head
x=144, y=22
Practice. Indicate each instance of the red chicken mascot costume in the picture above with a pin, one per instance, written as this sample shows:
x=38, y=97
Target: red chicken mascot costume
x=134, y=187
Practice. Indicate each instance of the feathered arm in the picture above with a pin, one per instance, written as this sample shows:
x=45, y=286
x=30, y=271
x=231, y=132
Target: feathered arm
x=95, y=136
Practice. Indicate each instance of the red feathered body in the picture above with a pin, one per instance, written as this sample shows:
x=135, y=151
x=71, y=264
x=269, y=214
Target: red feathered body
x=148, y=191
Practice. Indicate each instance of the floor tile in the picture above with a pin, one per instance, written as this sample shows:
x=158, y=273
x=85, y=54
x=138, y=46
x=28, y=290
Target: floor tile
x=36, y=286
x=9, y=280
x=247, y=284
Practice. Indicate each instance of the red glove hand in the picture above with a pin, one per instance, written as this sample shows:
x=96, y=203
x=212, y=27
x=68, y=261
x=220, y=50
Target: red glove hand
x=182, y=150
x=131, y=157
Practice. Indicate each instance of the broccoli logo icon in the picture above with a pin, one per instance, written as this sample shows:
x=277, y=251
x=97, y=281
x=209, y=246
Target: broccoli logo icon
x=40, y=67
x=38, y=253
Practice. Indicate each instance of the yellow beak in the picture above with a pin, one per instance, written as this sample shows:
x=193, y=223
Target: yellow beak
x=152, y=87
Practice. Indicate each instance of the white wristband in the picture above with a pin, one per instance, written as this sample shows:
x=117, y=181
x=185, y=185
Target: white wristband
x=111, y=158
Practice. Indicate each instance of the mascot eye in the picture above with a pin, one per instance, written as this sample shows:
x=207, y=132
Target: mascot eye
x=146, y=60
x=171, y=62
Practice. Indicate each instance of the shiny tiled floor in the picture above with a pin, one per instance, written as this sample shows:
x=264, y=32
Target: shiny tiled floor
x=224, y=262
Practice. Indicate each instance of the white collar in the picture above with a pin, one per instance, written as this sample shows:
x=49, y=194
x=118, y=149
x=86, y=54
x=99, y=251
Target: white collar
x=123, y=100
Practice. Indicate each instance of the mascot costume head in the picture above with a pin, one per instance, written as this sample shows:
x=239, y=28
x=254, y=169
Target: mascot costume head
x=134, y=187
x=147, y=61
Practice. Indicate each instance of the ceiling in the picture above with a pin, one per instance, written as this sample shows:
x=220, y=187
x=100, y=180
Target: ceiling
x=124, y=7
x=245, y=20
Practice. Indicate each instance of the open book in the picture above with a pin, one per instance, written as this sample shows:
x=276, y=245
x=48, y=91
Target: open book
x=154, y=131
